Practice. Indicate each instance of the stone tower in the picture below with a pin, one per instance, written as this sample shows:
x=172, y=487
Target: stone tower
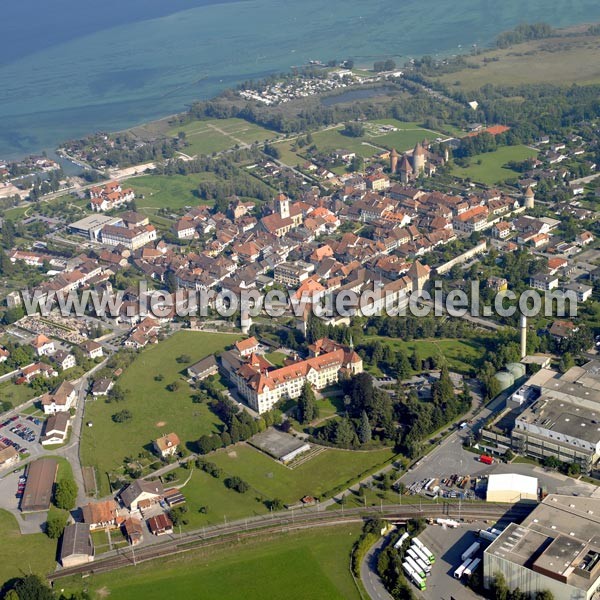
x=406, y=170
x=529, y=198
x=418, y=159
x=393, y=160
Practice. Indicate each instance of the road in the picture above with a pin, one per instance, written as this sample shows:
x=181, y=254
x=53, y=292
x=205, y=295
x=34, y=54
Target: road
x=284, y=521
x=368, y=574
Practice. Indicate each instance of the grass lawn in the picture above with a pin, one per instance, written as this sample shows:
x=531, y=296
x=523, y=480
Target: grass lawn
x=333, y=139
x=560, y=61
x=216, y=135
x=15, y=394
x=155, y=410
x=276, y=358
x=491, y=169
x=455, y=351
x=21, y=553
x=320, y=475
x=308, y=565
x=170, y=191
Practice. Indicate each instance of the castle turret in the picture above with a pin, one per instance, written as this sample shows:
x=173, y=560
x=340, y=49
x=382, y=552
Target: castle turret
x=529, y=198
x=406, y=170
x=393, y=160
x=418, y=159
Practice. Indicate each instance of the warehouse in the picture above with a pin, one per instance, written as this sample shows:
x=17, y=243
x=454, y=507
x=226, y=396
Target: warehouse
x=511, y=487
x=41, y=475
x=556, y=548
x=91, y=226
x=77, y=547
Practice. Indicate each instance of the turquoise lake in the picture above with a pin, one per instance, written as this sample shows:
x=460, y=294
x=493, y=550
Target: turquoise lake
x=69, y=67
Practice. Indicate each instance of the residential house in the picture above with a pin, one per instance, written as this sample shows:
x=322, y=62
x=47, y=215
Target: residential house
x=65, y=360
x=160, y=524
x=101, y=515
x=102, y=387
x=55, y=429
x=133, y=530
x=43, y=345
x=167, y=445
x=543, y=281
x=61, y=400
x=141, y=490
x=92, y=349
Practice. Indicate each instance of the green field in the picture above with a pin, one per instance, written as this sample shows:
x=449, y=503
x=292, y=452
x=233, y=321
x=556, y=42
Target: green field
x=458, y=353
x=22, y=554
x=491, y=170
x=155, y=409
x=559, y=61
x=371, y=143
x=216, y=135
x=167, y=191
x=309, y=565
x=15, y=394
x=319, y=475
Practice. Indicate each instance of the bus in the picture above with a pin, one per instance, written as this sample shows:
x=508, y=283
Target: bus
x=425, y=566
x=418, y=581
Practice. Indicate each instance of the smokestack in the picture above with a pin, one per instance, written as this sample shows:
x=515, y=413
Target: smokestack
x=523, y=336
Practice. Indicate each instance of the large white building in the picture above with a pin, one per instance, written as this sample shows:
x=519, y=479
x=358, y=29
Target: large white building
x=130, y=238
x=263, y=385
x=511, y=487
x=556, y=548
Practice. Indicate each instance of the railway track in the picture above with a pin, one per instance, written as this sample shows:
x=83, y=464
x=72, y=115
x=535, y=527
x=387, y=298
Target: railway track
x=282, y=523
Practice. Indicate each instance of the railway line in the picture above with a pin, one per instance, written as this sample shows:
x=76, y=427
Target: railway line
x=282, y=523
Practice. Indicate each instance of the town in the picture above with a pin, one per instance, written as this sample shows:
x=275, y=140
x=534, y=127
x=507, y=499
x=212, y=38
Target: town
x=466, y=446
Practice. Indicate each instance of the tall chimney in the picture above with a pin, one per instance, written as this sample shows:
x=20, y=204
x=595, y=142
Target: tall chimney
x=523, y=336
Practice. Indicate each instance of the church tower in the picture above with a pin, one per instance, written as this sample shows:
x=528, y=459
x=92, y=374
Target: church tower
x=282, y=206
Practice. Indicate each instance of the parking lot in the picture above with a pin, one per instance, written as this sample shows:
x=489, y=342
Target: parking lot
x=23, y=433
x=447, y=545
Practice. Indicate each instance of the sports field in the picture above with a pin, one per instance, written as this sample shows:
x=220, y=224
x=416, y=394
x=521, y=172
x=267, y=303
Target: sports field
x=216, y=135
x=155, y=410
x=489, y=168
x=310, y=565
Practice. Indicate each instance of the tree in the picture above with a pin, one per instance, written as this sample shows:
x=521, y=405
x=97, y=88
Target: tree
x=32, y=587
x=344, y=433
x=307, y=404
x=353, y=129
x=551, y=462
x=364, y=429
x=566, y=362
x=498, y=588
x=122, y=416
x=237, y=484
x=65, y=496
x=56, y=523
x=574, y=470
x=8, y=233
x=177, y=514
x=173, y=386
x=274, y=504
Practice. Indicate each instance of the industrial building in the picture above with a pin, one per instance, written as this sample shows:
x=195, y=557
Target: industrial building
x=564, y=421
x=77, y=547
x=90, y=227
x=41, y=475
x=556, y=548
x=511, y=487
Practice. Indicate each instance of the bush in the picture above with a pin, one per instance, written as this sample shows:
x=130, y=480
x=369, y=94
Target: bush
x=122, y=416
x=237, y=484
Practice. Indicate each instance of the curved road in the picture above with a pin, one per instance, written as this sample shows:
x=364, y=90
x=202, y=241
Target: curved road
x=368, y=574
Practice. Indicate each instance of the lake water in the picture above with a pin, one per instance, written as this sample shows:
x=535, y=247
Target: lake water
x=70, y=67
